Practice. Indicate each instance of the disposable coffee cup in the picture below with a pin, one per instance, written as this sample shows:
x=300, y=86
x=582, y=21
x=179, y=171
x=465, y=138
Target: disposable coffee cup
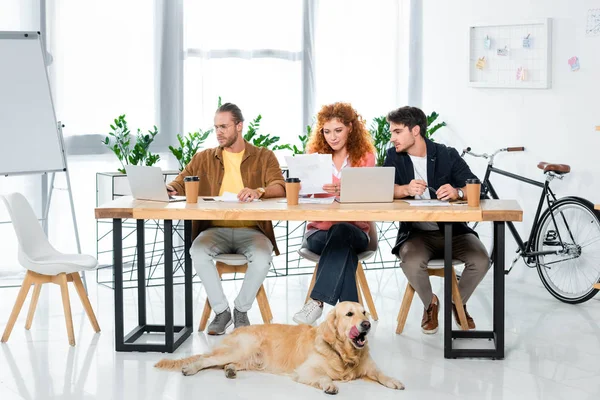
x=292, y=191
x=473, y=192
x=192, y=185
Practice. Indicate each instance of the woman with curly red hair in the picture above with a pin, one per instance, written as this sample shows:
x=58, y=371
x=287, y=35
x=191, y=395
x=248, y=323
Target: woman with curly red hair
x=342, y=133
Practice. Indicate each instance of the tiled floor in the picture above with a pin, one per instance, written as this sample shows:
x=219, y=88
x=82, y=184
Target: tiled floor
x=552, y=349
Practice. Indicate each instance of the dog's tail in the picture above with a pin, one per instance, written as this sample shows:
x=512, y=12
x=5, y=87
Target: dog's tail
x=175, y=365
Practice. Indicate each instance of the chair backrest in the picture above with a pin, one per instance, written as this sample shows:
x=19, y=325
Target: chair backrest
x=33, y=242
x=373, y=237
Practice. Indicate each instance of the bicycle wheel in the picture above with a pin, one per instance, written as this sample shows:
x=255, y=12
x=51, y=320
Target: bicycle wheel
x=569, y=275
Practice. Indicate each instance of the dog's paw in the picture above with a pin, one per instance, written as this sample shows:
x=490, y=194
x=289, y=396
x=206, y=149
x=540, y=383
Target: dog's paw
x=230, y=372
x=330, y=388
x=188, y=370
x=393, y=384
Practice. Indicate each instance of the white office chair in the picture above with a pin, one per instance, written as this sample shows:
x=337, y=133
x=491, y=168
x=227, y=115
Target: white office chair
x=44, y=264
x=361, y=279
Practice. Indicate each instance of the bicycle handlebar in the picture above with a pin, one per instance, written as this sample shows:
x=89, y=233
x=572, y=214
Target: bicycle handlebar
x=489, y=156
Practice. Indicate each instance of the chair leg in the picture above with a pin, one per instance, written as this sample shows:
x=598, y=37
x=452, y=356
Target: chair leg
x=263, y=305
x=33, y=304
x=409, y=293
x=205, y=316
x=18, y=305
x=458, y=303
x=64, y=291
x=362, y=278
x=312, y=283
x=359, y=293
x=85, y=301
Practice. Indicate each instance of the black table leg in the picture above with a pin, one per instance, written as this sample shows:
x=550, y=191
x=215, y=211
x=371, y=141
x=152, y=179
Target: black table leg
x=499, y=235
x=118, y=279
x=189, y=302
x=447, y=289
x=174, y=335
x=497, y=332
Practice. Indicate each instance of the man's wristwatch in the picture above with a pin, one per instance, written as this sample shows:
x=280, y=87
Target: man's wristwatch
x=261, y=192
x=461, y=194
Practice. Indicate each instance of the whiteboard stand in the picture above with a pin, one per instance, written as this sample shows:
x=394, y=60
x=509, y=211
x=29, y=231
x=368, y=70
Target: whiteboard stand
x=70, y=191
x=27, y=114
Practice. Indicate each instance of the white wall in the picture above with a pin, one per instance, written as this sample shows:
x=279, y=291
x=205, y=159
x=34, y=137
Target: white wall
x=554, y=125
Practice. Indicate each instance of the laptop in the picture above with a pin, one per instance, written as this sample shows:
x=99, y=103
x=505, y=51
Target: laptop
x=367, y=185
x=148, y=183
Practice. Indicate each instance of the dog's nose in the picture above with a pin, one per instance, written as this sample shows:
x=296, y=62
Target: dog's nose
x=366, y=325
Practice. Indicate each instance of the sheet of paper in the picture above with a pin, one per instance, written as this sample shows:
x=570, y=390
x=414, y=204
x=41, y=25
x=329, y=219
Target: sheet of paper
x=229, y=197
x=314, y=171
x=428, y=203
x=305, y=200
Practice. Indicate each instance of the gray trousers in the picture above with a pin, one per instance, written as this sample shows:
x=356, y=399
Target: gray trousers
x=250, y=242
x=423, y=246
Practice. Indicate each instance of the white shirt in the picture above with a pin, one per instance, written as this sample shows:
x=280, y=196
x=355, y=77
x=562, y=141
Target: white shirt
x=336, y=173
x=420, y=166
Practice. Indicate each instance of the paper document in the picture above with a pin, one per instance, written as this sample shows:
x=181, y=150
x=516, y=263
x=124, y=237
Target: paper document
x=306, y=200
x=314, y=171
x=229, y=197
x=427, y=203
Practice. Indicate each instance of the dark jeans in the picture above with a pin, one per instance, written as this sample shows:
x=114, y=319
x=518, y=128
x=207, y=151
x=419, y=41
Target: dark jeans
x=336, y=275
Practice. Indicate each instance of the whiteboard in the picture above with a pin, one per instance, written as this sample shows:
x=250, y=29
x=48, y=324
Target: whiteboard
x=30, y=141
x=525, y=63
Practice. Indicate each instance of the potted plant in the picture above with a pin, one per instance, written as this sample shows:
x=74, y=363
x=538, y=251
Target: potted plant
x=189, y=146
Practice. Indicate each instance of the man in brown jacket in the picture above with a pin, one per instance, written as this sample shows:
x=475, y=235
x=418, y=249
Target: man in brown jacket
x=251, y=172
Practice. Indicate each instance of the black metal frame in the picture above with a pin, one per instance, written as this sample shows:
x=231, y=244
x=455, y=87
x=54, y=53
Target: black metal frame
x=497, y=332
x=526, y=248
x=174, y=335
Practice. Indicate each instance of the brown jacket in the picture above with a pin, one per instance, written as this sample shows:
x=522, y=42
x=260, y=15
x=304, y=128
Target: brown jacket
x=259, y=168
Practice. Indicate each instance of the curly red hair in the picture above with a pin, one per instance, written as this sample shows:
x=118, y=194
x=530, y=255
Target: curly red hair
x=360, y=141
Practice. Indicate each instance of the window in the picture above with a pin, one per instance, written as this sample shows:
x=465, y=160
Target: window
x=103, y=63
x=249, y=53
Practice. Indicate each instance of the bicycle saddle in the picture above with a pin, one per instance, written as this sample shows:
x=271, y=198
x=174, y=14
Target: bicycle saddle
x=556, y=168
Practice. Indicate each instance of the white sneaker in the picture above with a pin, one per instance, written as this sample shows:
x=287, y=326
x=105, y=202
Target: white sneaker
x=309, y=313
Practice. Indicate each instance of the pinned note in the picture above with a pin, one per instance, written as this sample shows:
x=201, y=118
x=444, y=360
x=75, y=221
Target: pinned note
x=503, y=52
x=527, y=41
x=574, y=63
x=487, y=42
x=521, y=74
x=480, y=63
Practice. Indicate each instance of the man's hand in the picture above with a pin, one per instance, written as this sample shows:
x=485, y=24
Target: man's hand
x=416, y=187
x=446, y=193
x=332, y=188
x=247, y=194
x=171, y=190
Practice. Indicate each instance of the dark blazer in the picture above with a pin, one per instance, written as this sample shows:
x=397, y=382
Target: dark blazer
x=444, y=165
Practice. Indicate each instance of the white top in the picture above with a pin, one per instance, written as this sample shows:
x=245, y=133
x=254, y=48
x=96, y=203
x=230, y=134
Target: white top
x=420, y=166
x=336, y=173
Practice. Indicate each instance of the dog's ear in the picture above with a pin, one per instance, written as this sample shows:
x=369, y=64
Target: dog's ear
x=327, y=328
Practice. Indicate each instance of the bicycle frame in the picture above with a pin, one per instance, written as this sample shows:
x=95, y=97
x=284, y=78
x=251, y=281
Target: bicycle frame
x=525, y=247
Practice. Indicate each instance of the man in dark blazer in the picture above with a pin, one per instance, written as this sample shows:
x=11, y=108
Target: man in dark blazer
x=428, y=170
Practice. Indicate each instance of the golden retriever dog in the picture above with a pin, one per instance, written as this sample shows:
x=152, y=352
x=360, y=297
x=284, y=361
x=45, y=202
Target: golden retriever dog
x=335, y=350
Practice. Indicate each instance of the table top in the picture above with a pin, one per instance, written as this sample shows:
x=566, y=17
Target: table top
x=278, y=210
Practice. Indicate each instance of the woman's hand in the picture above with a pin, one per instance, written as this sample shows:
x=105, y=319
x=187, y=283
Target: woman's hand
x=332, y=188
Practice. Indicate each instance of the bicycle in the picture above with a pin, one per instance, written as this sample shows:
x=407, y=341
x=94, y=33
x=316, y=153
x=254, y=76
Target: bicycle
x=564, y=240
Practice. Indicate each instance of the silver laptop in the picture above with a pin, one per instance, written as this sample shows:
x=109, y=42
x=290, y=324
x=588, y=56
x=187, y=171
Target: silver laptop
x=147, y=183
x=367, y=185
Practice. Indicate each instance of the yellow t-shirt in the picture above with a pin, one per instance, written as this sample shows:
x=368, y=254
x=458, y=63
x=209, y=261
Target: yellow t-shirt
x=233, y=183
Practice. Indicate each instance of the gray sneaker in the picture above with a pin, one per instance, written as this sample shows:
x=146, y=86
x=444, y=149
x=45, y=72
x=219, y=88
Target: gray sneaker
x=240, y=319
x=220, y=323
